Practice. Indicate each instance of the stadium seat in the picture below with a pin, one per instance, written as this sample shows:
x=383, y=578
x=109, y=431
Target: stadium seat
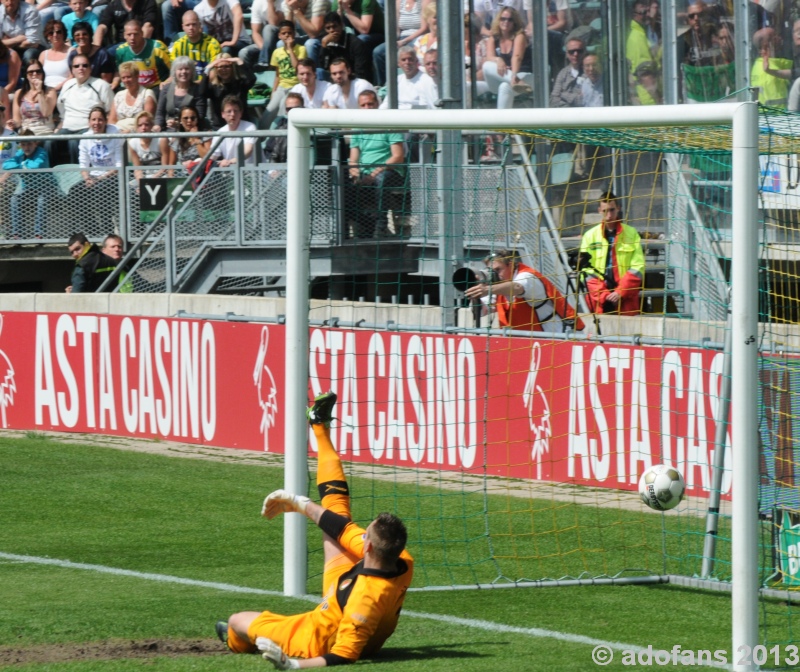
x=264, y=78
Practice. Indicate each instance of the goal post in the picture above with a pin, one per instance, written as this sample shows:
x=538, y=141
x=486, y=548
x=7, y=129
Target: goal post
x=741, y=117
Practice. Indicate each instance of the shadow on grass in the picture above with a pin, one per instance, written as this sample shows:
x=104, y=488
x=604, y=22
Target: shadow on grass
x=450, y=651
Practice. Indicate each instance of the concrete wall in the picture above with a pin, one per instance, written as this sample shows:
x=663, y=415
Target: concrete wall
x=776, y=337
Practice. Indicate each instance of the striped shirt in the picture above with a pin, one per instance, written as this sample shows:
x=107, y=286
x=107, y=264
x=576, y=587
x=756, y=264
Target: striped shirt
x=153, y=62
x=202, y=53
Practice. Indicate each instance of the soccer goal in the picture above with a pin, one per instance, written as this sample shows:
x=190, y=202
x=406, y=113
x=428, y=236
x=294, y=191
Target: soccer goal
x=514, y=456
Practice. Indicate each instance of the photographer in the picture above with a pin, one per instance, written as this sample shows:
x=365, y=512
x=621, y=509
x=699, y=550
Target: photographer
x=523, y=298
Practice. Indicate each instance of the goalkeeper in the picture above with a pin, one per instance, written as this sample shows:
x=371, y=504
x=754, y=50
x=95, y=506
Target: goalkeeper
x=367, y=573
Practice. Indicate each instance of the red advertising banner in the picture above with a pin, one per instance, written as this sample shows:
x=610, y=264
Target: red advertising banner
x=585, y=413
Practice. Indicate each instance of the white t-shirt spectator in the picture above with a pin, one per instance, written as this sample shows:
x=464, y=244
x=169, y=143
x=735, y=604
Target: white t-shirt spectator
x=314, y=103
x=218, y=21
x=419, y=92
x=103, y=154
x=227, y=148
x=258, y=11
x=335, y=96
x=76, y=101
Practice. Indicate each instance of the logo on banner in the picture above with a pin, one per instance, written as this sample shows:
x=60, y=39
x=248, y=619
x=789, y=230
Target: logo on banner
x=535, y=401
x=7, y=383
x=267, y=391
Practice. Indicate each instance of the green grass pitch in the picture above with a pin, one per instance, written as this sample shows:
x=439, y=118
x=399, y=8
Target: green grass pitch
x=199, y=520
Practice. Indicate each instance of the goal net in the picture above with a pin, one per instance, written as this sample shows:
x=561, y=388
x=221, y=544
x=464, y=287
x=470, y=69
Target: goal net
x=514, y=453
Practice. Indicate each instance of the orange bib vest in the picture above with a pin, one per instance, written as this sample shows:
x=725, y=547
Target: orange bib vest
x=520, y=314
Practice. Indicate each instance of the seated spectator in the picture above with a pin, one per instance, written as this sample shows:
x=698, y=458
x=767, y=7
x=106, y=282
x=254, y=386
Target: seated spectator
x=30, y=156
x=80, y=96
x=54, y=60
x=187, y=151
x=415, y=89
x=769, y=73
x=311, y=91
x=559, y=24
x=592, y=84
x=647, y=86
x=474, y=41
x=131, y=100
x=226, y=77
x=92, y=267
x=307, y=16
x=117, y=13
x=284, y=60
x=227, y=152
x=337, y=44
x=103, y=66
x=567, y=88
x=172, y=15
x=35, y=103
x=20, y=27
x=224, y=21
x=365, y=18
x=377, y=166
x=637, y=47
x=275, y=147
x=430, y=63
x=343, y=94
x=180, y=91
x=80, y=14
x=201, y=48
x=10, y=66
x=49, y=10
x=507, y=69
x=150, y=56
x=410, y=26
x=145, y=151
x=429, y=40
x=699, y=44
x=101, y=161
x=7, y=148
x=264, y=20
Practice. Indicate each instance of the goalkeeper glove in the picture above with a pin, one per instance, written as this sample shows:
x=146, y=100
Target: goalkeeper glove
x=281, y=501
x=275, y=655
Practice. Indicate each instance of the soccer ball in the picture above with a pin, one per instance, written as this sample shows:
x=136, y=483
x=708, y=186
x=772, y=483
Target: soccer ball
x=661, y=487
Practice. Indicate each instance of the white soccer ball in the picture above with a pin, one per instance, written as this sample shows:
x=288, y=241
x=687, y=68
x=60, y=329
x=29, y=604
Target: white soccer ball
x=662, y=487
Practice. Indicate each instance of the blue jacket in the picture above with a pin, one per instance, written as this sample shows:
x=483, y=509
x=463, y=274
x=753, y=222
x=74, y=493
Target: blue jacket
x=39, y=159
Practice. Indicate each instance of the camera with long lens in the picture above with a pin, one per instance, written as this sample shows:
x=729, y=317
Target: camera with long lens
x=466, y=277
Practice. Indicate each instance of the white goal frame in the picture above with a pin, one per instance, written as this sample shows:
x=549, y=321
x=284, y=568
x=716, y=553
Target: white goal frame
x=743, y=117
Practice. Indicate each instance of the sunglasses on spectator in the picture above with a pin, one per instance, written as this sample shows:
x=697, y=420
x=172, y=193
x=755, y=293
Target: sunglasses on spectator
x=80, y=65
x=2, y=108
x=575, y=51
x=506, y=18
x=694, y=15
x=35, y=72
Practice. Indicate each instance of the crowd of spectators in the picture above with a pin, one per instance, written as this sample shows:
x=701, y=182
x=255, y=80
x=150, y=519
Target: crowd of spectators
x=118, y=66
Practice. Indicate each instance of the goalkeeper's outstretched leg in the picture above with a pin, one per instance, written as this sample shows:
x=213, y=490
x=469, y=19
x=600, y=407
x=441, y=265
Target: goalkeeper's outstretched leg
x=367, y=573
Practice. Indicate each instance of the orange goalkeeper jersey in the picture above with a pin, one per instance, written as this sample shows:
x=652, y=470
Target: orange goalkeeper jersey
x=358, y=612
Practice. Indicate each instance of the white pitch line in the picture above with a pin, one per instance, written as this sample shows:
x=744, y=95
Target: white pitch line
x=490, y=626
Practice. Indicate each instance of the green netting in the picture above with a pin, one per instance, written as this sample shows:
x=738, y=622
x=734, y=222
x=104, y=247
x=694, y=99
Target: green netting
x=777, y=136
